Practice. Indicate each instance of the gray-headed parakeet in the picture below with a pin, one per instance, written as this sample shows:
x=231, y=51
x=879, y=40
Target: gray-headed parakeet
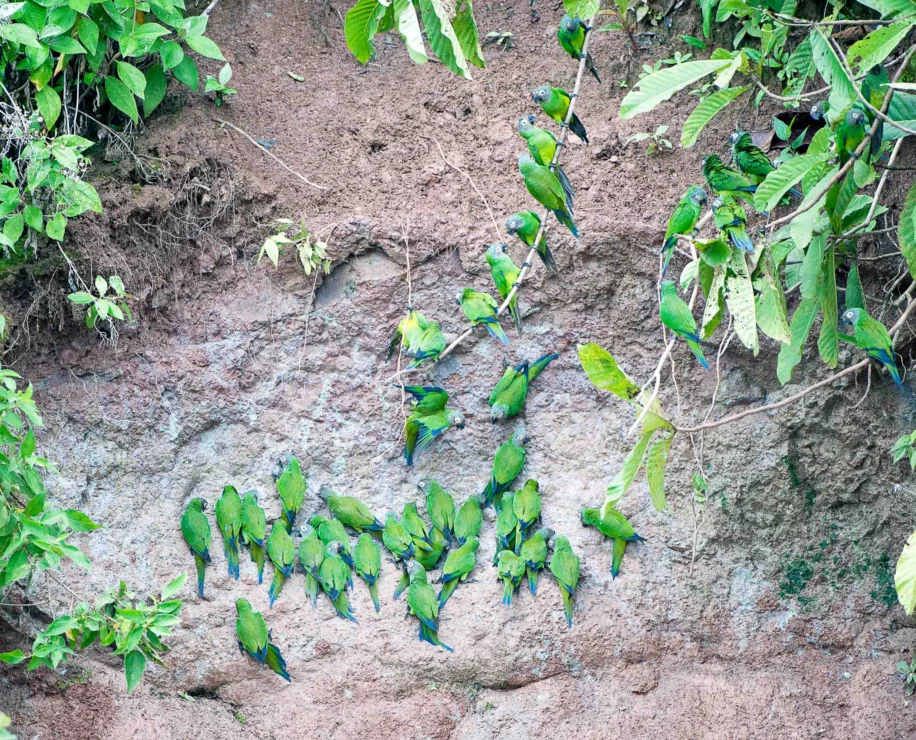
x=311, y=553
x=423, y=604
x=534, y=555
x=545, y=188
x=332, y=530
x=731, y=220
x=282, y=553
x=229, y=521
x=724, y=179
x=506, y=525
x=367, y=562
x=749, y=158
x=564, y=564
x=254, y=639
x=291, y=488
x=422, y=339
x=507, y=464
x=351, y=512
x=554, y=101
x=613, y=524
x=440, y=506
x=399, y=543
x=505, y=275
x=334, y=577
x=676, y=315
x=851, y=132
x=510, y=570
x=196, y=531
x=526, y=225
x=571, y=35
x=254, y=529
x=683, y=219
x=508, y=396
x=480, y=310
x=416, y=526
x=469, y=518
x=542, y=145
x=457, y=568
x=526, y=503
x=871, y=335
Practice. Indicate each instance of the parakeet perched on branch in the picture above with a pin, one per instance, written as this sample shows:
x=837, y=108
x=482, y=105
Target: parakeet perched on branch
x=545, y=188
x=480, y=310
x=724, y=179
x=683, y=220
x=731, y=220
x=505, y=275
x=676, y=315
x=555, y=103
x=571, y=35
x=422, y=339
x=526, y=225
x=542, y=145
x=508, y=396
x=196, y=531
x=872, y=336
x=851, y=132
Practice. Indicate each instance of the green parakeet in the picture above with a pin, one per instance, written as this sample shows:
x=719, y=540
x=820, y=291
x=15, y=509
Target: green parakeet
x=367, y=562
x=545, y=188
x=527, y=507
x=871, y=335
x=510, y=570
x=421, y=338
x=505, y=275
x=508, y=396
x=425, y=425
x=440, y=506
x=851, y=132
x=429, y=559
x=254, y=529
x=426, y=399
x=291, y=488
x=613, y=524
x=731, y=220
x=620, y=548
x=229, y=521
x=819, y=109
x=469, y=518
x=676, y=315
x=332, y=530
x=399, y=543
x=874, y=90
x=196, y=531
x=480, y=309
x=750, y=159
x=507, y=464
x=542, y=145
x=423, y=604
x=282, y=553
x=534, y=554
x=506, y=526
x=526, y=225
x=724, y=179
x=254, y=639
x=311, y=554
x=458, y=566
x=416, y=526
x=683, y=220
x=351, y=512
x=564, y=564
x=554, y=101
x=571, y=35
x=334, y=577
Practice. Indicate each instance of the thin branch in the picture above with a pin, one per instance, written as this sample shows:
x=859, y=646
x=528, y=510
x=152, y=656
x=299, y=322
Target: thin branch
x=274, y=157
x=783, y=99
x=874, y=202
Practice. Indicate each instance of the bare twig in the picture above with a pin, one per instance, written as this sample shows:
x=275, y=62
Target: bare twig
x=274, y=157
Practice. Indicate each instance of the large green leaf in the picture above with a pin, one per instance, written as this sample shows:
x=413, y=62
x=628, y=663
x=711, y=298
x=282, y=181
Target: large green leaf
x=661, y=85
x=790, y=354
x=442, y=38
x=855, y=296
x=409, y=28
x=890, y=8
x=714, y=309
x=466, y=30
x=602, y=369
x=156, y=85
x=205, y=47
x=585, y=9
x=48, y=105
x=360, y=27
x=905, y=576
x=134, y=665
x=624, y=478
x=656, y=461
x=772, y=315
x=778, y=182
x=133, y=78
x=828, y=343
x=739, y=297
x=186, y=73
x=707, y=110
x=906, y=231
x=842, y=93
x=810, y=272
x=19, y=33
x=878, y=45
x=120, y=96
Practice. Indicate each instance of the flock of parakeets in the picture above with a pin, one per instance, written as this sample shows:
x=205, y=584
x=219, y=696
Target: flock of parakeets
x=729, y=184
x=328, y=558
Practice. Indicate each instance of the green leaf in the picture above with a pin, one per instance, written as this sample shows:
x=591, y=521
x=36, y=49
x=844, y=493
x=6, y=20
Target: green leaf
x=778, y=182
x=49, y=105
x=828, y=343
x=120, y=96
x=693, y=41
x=706, y=6
x=713, y=252
x=409, y=28
x=842, y=93
x=442, y=38
x=602, y=369
x=855, y=296
x=714, y=309
x=878, y=45
x=134, y=665
x=56, y=227
x=19, y=33
x=705, y=112
x=186, y=73
x=133, y=78
x=79, y=522
x=656, y=461
x=584, y=9
x=631, y=465
x=790, y=354
x=171, y=54
x=906, y=231
x=661, y=85
x=205, y=47
x=360, y=27
x=66, y=45
x=889, y=8
x=838, y=199
x=34, y=218
x=739, y=297
x=173, y=587
x=810, y=272
x=466, y=30
x=76, y=555
x=89, y=34
x=772, y=314
x=14, y=227
x=12, y=658
x=156, y=85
